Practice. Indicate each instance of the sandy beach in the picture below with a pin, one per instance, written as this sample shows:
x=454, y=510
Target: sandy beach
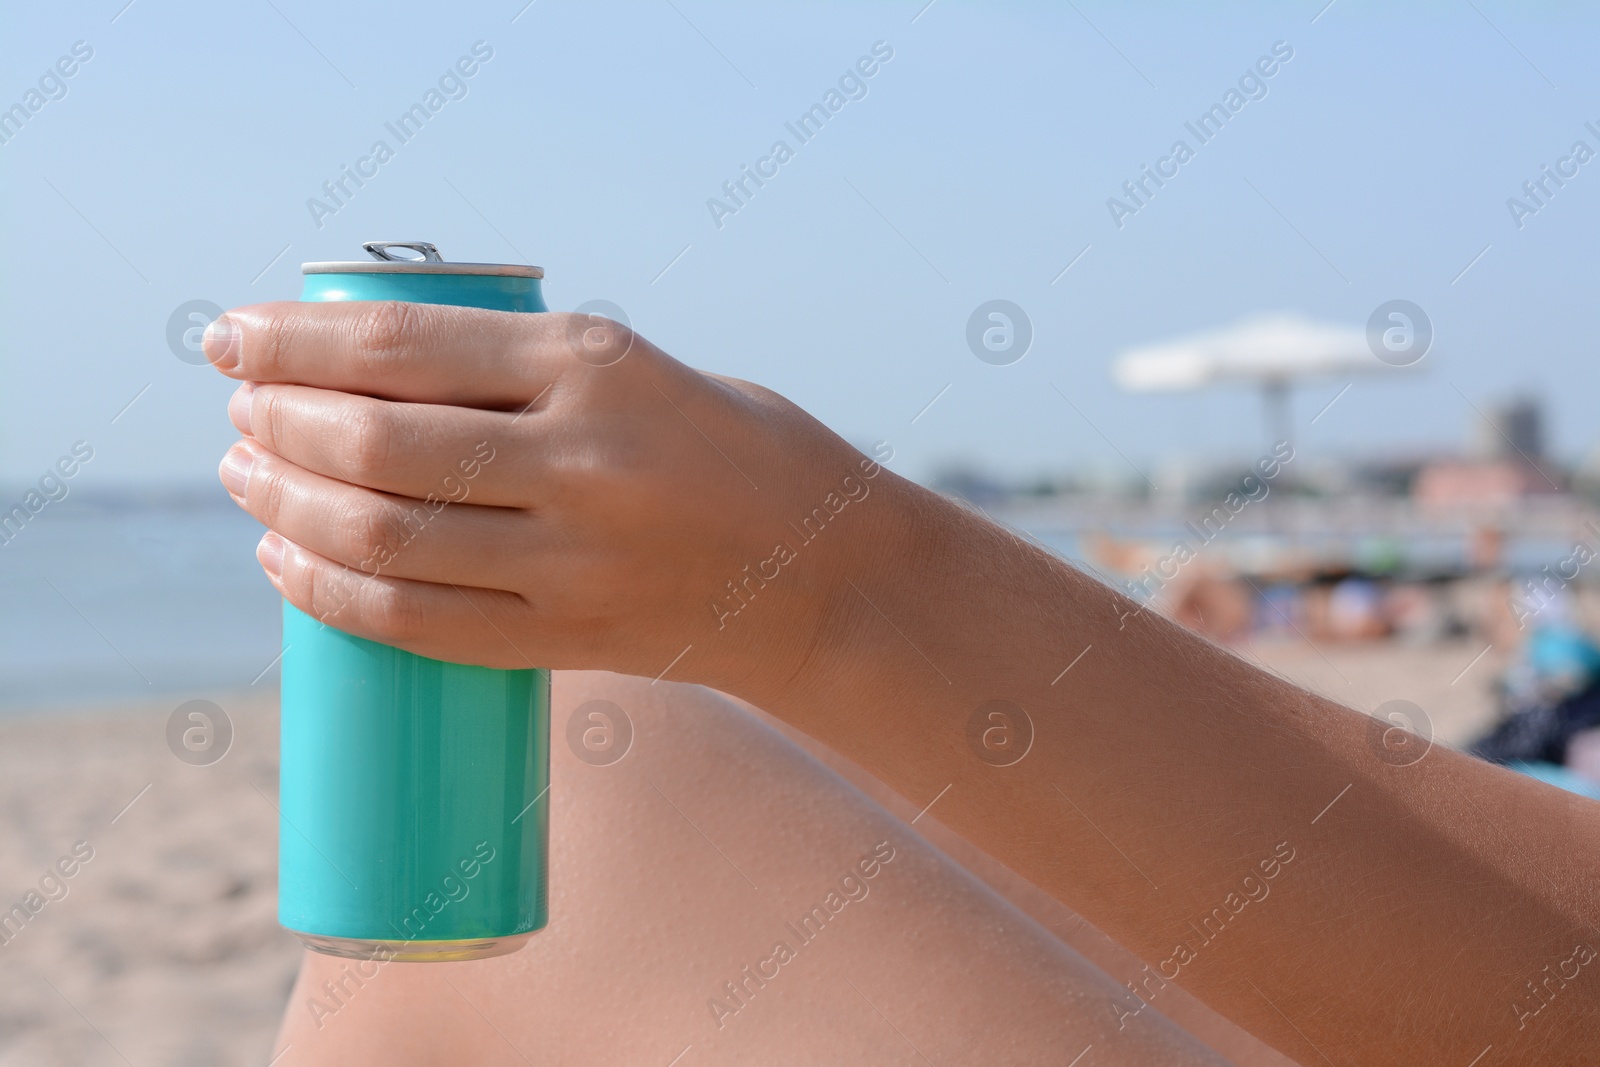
x=164, y=948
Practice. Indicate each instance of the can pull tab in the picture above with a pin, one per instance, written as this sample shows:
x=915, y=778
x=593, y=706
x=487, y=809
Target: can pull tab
x=426, y=252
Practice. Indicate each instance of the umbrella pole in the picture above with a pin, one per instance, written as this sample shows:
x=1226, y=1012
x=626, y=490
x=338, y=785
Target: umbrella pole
x=1275, y=407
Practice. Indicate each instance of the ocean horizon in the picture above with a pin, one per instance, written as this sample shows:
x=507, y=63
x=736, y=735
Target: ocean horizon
x=138, y=595
x=123, y=597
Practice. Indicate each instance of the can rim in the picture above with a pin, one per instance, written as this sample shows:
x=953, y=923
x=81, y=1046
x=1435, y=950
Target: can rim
x=504, y=270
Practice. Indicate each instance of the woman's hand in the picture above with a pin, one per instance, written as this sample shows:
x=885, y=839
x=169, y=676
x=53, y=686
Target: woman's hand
x=516, y=490
x=639, y=516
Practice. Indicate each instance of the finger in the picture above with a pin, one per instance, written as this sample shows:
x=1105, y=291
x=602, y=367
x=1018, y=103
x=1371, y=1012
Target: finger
x=433, y=353
x=377, y=533
x=410, y=450
x=449, y=623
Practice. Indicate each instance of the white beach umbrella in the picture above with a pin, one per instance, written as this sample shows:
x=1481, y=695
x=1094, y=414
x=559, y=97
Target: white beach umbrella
x=1272, y=352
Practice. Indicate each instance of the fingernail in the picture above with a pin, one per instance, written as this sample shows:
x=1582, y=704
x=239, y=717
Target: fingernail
x=270, y=553
x=221, y=343
x=239, y=407
x=235, y=471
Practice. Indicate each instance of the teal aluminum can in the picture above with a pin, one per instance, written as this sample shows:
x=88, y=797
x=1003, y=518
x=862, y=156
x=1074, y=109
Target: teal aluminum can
x=414, y=808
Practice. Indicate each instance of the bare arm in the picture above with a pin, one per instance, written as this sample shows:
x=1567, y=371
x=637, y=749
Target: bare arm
x=1246, y=838
x=1257, y=844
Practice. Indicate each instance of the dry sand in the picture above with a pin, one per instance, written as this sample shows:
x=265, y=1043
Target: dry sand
x=166, y=951
x=166, y=948
x=1451, y=681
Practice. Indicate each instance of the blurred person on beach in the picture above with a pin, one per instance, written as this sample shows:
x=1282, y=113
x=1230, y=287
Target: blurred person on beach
x=1214, y=603
x=1549, y=692
x=1254, y=843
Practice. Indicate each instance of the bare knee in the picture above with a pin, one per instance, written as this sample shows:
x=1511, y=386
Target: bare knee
x=713, y=886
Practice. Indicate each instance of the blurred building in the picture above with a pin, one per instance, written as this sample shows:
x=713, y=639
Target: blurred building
x=1506, y=463
x=1515, y=428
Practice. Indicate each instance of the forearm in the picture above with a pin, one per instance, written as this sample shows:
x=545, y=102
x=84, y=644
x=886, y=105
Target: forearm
x=1164, y=772
x=1167, y=783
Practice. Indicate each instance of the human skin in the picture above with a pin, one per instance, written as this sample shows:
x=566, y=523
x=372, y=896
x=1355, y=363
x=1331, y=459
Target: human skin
x=685, y=861
x=1419, y=910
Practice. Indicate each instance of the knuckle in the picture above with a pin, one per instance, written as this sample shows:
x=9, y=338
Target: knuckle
x=391, y=613
x=597, y=340
x=618, y=341
x=383, y=335
x=366, y=438
x=371, y=537
x=267, y=492
x=321, y=590
x=263, y=354
x=273, y=420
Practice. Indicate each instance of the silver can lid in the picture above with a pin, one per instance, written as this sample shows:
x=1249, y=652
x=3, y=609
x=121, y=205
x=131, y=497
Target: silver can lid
x=426, y=261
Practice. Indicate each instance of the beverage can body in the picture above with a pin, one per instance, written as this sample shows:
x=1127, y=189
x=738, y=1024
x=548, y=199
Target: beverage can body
x=414, y=806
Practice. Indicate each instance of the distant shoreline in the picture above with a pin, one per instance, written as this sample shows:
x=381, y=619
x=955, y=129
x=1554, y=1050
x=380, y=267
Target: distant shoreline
x=122, y=706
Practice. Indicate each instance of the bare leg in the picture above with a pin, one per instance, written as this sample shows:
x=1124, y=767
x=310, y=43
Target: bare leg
x=688, y=861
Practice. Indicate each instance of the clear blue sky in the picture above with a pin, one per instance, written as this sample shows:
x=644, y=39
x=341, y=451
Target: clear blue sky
x=179, y=162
